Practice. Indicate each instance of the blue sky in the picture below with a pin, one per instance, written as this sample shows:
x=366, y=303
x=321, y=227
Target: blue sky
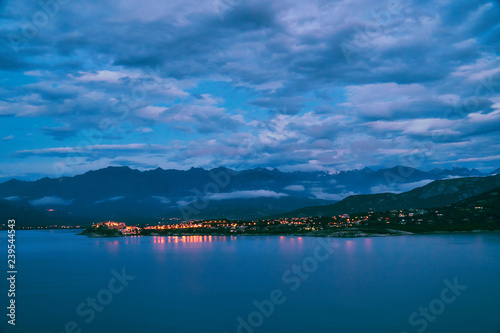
x=296, y=85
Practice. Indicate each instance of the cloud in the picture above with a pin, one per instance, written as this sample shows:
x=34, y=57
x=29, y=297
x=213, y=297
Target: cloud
x=88, y=150
x=110, y=199
x=9, y=137
x=51, y=200
x=246, y=195
x=163, y=200
x=59, y=133
x=320, y=193
x=294, y=188
x=399, y=188
x=13, y=198
x=476, y=159
x=104, y=75
x=259, y=84
x=411, y=186
x=182, y=203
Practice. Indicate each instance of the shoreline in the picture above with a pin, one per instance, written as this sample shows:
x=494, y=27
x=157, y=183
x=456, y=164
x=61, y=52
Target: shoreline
x=337, y=234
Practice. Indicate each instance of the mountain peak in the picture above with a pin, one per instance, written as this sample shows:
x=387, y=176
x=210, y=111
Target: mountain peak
x=112, y=168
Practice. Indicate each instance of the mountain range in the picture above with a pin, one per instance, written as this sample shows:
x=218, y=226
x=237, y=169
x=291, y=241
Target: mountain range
x=436, y=194
x=126, y=194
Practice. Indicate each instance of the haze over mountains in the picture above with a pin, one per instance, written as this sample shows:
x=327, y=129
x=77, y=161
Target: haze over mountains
x=127, y=194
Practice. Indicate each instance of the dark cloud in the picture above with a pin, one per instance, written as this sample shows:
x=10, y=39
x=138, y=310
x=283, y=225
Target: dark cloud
x=59, y=133
x=253, y=83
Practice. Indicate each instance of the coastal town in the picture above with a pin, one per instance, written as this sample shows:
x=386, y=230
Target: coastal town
x=345, y=225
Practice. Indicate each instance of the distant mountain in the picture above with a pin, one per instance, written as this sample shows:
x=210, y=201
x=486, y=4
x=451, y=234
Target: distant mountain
x=127, y=194
x=437, y=193
x=495, y=172
x=25, y=216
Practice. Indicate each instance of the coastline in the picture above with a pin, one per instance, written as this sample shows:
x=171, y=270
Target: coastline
x=336, y=234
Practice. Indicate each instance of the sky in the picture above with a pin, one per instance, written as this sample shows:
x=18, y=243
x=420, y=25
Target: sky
x=293, y=85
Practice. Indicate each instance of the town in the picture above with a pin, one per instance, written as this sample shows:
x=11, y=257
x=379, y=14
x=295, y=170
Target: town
x=346, y=225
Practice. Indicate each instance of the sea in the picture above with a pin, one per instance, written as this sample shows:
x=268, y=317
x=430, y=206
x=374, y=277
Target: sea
x=64, y=282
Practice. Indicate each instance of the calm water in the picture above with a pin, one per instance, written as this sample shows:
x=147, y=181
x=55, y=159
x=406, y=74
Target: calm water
x=203, y=284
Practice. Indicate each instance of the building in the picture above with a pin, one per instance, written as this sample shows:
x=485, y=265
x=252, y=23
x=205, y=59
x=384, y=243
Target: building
x=112, y=225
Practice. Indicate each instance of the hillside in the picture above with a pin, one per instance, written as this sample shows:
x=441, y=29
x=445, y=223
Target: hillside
x=437, y=193
x=24, y=214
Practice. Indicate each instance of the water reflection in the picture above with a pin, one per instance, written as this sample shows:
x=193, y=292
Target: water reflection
x=368, y=245
x=190, y=239
x=349, y=245
x=364, y=244
x=111, y=246
x=289, y=244
x=133, y=240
